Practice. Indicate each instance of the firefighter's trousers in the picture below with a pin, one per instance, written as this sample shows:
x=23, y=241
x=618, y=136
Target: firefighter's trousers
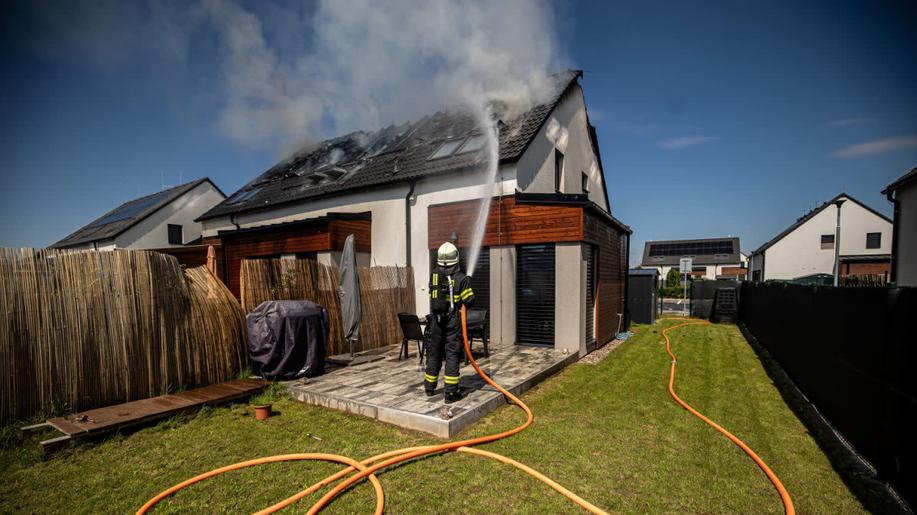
x=445, y=343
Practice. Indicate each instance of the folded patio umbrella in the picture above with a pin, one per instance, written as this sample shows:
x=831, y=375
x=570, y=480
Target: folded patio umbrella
x=349, y=290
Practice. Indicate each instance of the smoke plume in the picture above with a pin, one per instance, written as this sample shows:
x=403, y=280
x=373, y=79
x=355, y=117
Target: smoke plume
x=285, y=73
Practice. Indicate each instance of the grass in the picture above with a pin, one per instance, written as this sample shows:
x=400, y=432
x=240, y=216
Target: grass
x=610, y=432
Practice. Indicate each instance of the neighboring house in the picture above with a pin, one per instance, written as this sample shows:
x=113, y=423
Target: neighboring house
x=163, y=219
x=806, y=247
x=711, y=258
x=903, y=195
x=553, y=266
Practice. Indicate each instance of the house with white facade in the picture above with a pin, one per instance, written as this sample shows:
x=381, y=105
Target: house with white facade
x=711, y=258
x=161, y=220
x=807, y=247
x=552, y=268
x=903, y=195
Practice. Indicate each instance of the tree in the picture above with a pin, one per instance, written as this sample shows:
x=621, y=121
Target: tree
x=673, y=278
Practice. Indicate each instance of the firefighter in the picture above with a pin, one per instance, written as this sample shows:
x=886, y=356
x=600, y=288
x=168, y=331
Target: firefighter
x=449, y=289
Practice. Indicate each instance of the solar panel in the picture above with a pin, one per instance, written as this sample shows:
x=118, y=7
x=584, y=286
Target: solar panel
x=242, y=196
x=129, y=210
x=699, y=248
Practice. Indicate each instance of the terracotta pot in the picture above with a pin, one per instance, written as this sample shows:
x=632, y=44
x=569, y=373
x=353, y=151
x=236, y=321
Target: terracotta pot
x=263, y=412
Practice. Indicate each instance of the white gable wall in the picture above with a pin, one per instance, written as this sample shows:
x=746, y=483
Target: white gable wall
x=536, y=165
x=799, y=253
x=152, y=232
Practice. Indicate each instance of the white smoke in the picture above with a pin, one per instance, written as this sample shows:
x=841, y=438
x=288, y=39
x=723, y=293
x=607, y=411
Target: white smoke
x=369, y=64
x=287, y=73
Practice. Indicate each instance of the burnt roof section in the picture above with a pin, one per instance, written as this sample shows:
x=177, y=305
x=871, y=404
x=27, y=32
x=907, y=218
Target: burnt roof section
x=394, y=154
x=706, y=251
x=901, y=181
x=808, y=216
x=128, y=214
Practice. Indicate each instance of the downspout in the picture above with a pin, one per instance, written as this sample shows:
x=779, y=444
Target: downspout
x=896, y=217
x=407, y=222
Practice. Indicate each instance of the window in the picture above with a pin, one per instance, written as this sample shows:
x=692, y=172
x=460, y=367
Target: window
x=473, y=144
x=175, y=235
x=873, y=240
x=242, y=196
x=558, y=169
x=446, y=149
x=827, y=241
x=585, y=179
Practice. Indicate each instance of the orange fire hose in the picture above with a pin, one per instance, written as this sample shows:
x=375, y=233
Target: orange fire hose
x=784, y=495
x=391, y=458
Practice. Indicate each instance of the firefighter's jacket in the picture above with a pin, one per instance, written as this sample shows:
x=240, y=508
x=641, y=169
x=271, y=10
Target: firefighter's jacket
x=449, y=289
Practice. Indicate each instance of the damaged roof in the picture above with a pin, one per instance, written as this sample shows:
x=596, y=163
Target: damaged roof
x=125, y=216
x=448, y=141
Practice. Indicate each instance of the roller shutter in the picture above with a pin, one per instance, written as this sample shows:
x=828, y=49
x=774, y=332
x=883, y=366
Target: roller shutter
x=590, y=297
x=535, y=294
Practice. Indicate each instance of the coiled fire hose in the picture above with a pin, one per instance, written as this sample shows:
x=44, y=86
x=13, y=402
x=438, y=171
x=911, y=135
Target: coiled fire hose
x=368, y=467
x=784, y=495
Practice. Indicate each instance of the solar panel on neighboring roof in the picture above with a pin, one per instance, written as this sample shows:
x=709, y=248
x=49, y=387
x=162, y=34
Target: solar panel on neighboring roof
x=698, y=248
x=129, y=210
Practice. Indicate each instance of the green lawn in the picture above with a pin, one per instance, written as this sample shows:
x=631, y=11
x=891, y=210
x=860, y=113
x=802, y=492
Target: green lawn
x=610, y=432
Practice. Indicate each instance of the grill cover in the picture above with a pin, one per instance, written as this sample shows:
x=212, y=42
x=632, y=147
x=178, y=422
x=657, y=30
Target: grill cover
x=287, y=339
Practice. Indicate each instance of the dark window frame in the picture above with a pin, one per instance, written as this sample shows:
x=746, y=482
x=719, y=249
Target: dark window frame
x=827, y=241
x=585, y=179
x=558, y=170
x=877, y=244
x=173, y=240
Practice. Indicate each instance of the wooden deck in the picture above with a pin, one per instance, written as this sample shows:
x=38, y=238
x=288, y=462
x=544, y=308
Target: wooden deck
x=112, y=418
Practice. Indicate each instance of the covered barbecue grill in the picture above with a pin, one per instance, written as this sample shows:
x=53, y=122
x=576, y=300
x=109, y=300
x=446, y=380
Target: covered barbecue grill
x=287, y=339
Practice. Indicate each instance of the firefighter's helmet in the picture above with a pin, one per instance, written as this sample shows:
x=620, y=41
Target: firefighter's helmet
x=447, y=255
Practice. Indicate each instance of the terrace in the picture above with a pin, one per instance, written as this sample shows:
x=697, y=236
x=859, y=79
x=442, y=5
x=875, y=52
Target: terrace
x=391, y=390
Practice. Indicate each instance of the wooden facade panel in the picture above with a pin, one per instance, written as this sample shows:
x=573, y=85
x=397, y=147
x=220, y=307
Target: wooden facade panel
x=508, y=223
x=361, y=229
x=271, y=242
x=612, y=273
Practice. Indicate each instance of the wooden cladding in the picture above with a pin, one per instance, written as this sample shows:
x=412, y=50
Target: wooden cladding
x=508, y=223
x=321, y=236
x=612, y=273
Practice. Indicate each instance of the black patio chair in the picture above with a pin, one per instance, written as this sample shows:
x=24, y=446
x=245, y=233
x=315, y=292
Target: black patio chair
x=476, y=320
x=412, y=331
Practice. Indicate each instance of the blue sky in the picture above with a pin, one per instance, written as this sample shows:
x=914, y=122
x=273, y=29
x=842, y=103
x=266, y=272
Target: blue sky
x=714, y=118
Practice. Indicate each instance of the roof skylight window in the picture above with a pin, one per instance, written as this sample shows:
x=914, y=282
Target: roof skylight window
x=473, y=144
x=243, y=196
x=446, y=149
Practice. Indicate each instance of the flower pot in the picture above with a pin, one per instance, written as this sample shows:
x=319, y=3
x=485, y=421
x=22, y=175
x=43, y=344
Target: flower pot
x=263, y=412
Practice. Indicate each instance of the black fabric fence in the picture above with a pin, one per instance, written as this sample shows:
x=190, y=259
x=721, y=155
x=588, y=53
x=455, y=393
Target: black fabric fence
x=852, y=352
x=703, y=293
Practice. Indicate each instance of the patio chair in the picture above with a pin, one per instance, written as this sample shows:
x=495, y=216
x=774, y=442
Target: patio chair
x=412, y=331
x=476, y=320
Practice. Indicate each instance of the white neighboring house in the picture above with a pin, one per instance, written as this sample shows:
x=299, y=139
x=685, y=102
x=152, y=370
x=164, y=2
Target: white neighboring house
x=711, y=258
x=163, y=219
x=903, y=195
x=806, y=247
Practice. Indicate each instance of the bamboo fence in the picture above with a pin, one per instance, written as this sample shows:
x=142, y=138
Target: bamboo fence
x=80, y=330
x=384, y=291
